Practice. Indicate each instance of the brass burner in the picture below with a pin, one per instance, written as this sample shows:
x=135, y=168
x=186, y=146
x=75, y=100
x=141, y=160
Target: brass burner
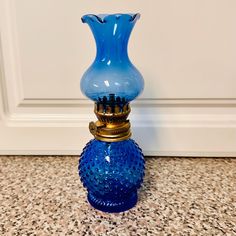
x=112, y=124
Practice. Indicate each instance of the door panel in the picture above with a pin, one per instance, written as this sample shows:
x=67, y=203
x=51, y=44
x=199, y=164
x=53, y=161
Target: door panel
x=185, y=50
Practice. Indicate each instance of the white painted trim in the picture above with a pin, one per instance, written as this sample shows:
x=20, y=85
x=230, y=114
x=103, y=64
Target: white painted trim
x=159, y=141
x=140, y=102
x=10, y=56
x=146, y=153
x=163, y=120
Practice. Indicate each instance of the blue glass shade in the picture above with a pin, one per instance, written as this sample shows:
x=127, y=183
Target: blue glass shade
x=112, y=173
x=112, y=71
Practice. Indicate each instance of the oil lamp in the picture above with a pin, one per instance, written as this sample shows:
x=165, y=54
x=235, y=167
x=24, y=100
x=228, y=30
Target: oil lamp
x=111, y=165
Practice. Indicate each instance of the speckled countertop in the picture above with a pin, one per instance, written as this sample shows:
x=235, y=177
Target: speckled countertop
x=180, y=196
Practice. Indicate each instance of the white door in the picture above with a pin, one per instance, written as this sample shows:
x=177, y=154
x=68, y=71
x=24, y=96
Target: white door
x=186, y=51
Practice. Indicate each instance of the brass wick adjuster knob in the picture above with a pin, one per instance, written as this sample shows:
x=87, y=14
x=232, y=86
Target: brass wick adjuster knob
x=94, y=127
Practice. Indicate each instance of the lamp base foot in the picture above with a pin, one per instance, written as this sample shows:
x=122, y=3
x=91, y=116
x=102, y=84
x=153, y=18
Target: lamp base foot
x=113, y=206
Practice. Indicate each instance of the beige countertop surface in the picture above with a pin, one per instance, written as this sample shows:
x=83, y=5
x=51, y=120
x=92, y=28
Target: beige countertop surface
x=180, y=196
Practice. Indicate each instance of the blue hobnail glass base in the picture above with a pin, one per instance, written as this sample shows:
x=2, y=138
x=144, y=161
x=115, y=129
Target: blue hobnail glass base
x=113, y=206
x=112, y=172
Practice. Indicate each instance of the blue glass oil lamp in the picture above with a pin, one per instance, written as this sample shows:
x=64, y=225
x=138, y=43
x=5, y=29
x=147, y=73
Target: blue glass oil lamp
x=111, y=166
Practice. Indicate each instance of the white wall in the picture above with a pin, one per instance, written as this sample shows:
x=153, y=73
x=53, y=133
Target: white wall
x=185, y=50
